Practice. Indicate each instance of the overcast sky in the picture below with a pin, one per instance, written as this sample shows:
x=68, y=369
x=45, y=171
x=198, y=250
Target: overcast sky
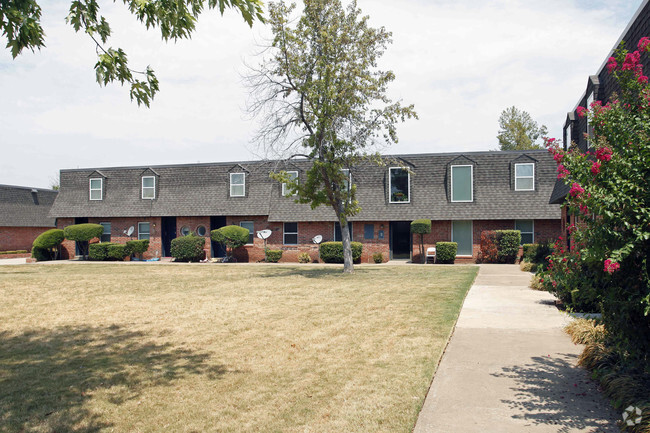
x=461, y=62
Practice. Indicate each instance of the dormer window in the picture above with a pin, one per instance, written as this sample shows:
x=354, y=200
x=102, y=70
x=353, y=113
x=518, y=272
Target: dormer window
x=462, y=183
x=237, y=184
x=96, y=187
x=149, y=187
x=525, y=177
x=567, y=137
x=286, y=190
x=590, y=100
x=399, y=185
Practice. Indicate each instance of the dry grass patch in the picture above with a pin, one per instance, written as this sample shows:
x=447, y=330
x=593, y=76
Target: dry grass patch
x=197, y=348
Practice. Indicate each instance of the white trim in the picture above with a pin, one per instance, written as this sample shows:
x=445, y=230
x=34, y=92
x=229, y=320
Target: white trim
x=567, y=135
x=141, y=233
x=525, y=177
x=149, y=187
x=285, y=232
x=471, y=232
x=238, y=184
x=284, y=185
x=471, y=183
x=390, y=185
x=589, y=131
x=189, y=231
x=91, y=189
x=252, y=232
x=204, y=228
x=532, y=233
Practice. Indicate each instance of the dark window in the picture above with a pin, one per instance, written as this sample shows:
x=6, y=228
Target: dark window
x=106, y=235
x=368, y=231
x=291, y=233
x=338, y=237
x=399, y=185
x=251, y=230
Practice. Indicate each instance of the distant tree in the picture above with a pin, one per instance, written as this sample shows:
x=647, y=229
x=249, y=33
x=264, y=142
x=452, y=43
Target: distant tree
x=20, y=24
x=321, y=96
x=55, y=183
x=518, y=131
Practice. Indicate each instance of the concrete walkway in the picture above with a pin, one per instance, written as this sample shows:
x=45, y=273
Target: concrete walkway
x=509, y=367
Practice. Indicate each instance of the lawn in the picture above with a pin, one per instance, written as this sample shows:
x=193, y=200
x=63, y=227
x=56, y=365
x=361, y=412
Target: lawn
x=221, y=348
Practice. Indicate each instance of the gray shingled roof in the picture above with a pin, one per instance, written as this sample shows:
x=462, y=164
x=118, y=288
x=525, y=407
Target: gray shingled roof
x=26, y=207
x=203, y=190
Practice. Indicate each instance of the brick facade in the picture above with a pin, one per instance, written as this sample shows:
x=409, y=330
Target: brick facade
x=19, y=238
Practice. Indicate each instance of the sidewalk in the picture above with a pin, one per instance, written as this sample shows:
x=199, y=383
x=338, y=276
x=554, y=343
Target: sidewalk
x=509, y=367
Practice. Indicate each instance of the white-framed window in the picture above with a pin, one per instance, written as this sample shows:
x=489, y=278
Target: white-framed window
x=590, y=100
x=149, y=187
x=237, y=184
x=251, y=231
x=527, y=229
x=201, y=231
x=525, y=177
x=462, y=183
x=338, y=237
x=96, y=188
x=185, y=231
x=399, y=185
x=144, y=230
x=106, y=234
x=567, y=137
x=290, y=235
x=293, y=175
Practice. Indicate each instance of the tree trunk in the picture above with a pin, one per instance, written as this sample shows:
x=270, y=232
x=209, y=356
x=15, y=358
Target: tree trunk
x=348, y=266
x=423, y=255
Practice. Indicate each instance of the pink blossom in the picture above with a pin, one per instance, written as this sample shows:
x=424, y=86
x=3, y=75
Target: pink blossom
x=643, y=44
x=611, y=266
x=584, y=209
x=642, y=79
x=582, y=111
x=558, y=157
x=576, y=190
x=611, y=65
x=562, y=171
x=595, y=167
x=604, y=154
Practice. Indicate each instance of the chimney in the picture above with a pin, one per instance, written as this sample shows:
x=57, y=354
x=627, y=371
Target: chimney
x=35, y=196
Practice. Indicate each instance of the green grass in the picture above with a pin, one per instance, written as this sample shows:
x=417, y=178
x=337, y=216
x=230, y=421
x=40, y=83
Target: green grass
x=227, y=348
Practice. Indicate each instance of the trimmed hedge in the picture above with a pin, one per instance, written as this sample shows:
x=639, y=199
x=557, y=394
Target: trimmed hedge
x=446, y=252
x=529, y=251
x=83, y=232
x=117, y=252
x=138, y=247
x=49, y=239
x=231, y=237
x=41, y=254
x=188, y=248
x=508, y=244
x=421, y=227
x=273, y=256
x=98, y=251
x=14, y=252
x=332, y=252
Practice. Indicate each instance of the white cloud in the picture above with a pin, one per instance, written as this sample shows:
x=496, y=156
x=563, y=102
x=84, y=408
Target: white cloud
x=460, y=62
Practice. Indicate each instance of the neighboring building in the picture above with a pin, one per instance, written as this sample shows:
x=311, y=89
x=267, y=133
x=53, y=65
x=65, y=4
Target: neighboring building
x=600, y=87
x=462, y=193
x=24, y=214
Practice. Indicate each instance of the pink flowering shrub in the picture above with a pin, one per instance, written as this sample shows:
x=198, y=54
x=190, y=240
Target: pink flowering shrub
x=610, y=197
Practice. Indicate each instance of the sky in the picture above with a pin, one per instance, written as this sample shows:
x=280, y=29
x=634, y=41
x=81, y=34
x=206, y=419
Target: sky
x=460, y=62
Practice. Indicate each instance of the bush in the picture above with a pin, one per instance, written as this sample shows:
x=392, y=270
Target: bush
x=231, y=237
x=48, y=244
x=98, y=251
x=304, y=258
x=527, y=266
x=117, y=251
x=332, y=252
x=137, y=247
x=421, y=227
x=446, y=252
x=508, y=245
x=488, y=247
x=83, y=233
x=188, y=248
x=273, y=256
x=528, y=253
x=378, y=257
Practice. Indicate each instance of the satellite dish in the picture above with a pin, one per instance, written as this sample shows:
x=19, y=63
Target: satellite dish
x=264, y=234
x=130, y=231
x=317, y=239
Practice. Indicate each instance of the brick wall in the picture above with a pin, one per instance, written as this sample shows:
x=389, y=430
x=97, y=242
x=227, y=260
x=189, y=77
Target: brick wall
x=19, y=238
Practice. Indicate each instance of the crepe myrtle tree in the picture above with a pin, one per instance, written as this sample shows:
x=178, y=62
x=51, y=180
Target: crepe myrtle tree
x=320, y=96
x=610, y=194
x=20, y=24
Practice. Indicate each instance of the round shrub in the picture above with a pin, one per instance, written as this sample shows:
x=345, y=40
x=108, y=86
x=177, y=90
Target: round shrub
x=378, y=257
x=83, y=232
x=446, y=252
x=304, y=258
x=332, y=252
x=231, y=237
x=137, y=247
x=508, y=244
x=41, y=254
x=98, y=251
x=421, y=227
x=188, y=248
x=117, y=252
x=273, y=256
x=49, y=239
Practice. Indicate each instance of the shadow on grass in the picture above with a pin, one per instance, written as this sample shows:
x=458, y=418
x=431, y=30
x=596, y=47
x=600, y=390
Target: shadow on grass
x=48, y=376
x=553, y=391
x=309, y=272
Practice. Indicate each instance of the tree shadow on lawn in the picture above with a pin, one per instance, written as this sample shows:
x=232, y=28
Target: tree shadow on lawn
x=552, y=390
x=310, y=272
x=47, y=376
